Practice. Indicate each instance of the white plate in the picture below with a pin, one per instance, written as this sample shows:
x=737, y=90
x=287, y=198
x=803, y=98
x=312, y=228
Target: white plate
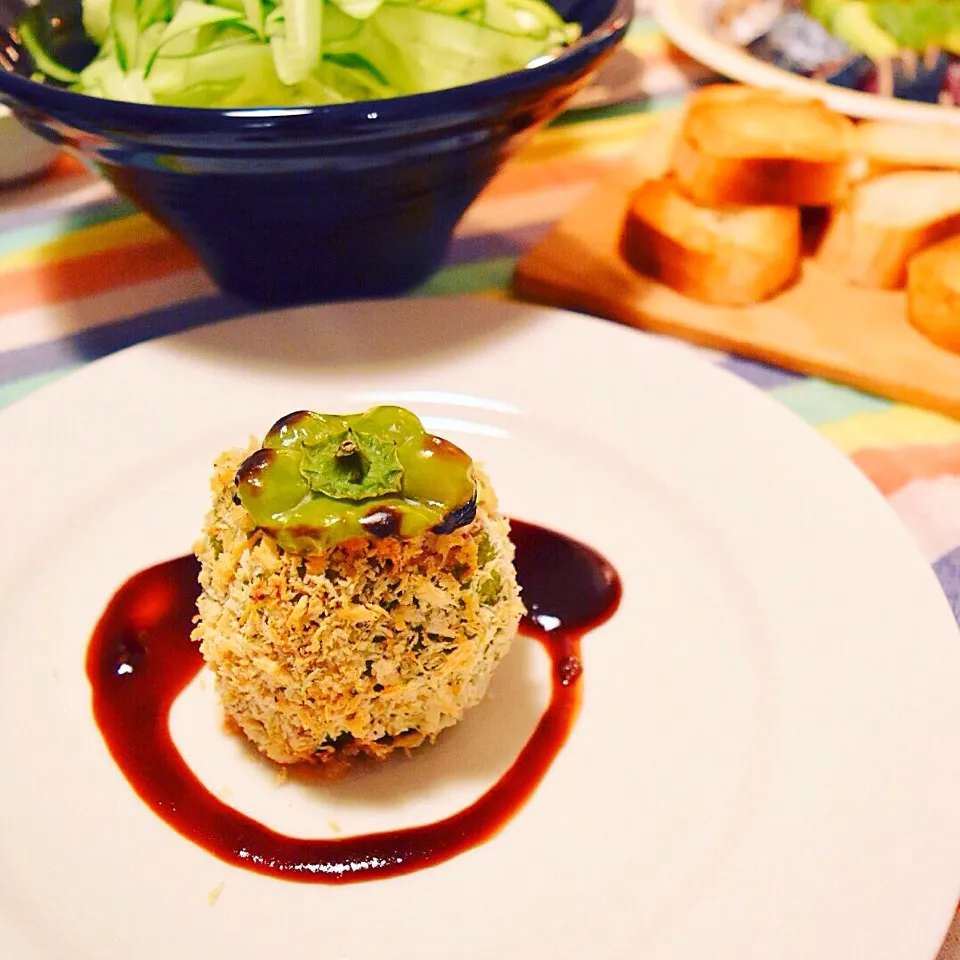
x=766, y=762
x=683, y=23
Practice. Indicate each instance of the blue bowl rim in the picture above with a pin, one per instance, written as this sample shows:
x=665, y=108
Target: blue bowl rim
x=21, y=92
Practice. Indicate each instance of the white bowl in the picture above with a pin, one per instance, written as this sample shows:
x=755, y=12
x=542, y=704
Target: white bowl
x=22, y=154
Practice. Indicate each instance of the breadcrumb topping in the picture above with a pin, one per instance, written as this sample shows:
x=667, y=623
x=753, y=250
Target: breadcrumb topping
x=372, y=646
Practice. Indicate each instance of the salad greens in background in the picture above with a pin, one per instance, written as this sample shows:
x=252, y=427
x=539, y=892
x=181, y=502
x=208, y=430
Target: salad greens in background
x=236, y=53
x=909, y=49
x=884, y=28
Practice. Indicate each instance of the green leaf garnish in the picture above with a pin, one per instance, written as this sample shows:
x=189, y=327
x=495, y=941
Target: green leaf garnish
x=352, y=465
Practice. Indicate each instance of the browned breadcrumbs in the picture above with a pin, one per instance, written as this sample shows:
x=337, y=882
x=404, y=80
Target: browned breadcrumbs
x=369, y=647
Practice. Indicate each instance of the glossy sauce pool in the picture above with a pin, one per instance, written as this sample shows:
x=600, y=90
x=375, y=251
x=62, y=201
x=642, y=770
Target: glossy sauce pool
x=141, y=657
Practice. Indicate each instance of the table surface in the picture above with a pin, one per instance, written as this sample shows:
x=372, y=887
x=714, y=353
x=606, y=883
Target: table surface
x=84, y=274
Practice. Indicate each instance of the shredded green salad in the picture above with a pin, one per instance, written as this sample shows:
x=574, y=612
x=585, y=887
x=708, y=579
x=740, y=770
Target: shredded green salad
x=883, y=28
x=239, y=53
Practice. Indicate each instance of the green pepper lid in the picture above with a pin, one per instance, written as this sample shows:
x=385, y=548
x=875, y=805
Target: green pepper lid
x=320, y=479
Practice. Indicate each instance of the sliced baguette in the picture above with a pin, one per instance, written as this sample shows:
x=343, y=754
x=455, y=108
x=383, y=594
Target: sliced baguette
x=885, y=221
x=933, y=293
x=711, y=94
x=748, y=146
x=813, y=224
x=889, y=145
x=732, y=256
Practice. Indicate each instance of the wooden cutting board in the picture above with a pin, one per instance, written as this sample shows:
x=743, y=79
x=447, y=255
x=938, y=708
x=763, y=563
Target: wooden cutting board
x=821, y=326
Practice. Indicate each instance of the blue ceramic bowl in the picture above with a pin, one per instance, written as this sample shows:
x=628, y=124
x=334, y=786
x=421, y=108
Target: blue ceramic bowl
x=345, y=200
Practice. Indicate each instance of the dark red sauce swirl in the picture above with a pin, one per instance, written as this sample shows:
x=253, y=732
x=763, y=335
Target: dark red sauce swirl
x=141, y=657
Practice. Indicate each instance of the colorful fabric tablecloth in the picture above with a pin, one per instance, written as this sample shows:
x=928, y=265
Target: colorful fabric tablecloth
x=83, y=274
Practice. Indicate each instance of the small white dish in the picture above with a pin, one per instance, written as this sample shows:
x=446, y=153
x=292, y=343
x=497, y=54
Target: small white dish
x=23, y=155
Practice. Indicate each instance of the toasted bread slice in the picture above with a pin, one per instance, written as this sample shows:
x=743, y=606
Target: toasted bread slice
x=721, y=93
x=732, y=256
x=889, y=145
x=933, y=293
x=749, y=146
x=885, y=221
x=813, y=224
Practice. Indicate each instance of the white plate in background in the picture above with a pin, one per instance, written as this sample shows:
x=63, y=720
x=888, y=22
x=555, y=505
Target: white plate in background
x=684, y=24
